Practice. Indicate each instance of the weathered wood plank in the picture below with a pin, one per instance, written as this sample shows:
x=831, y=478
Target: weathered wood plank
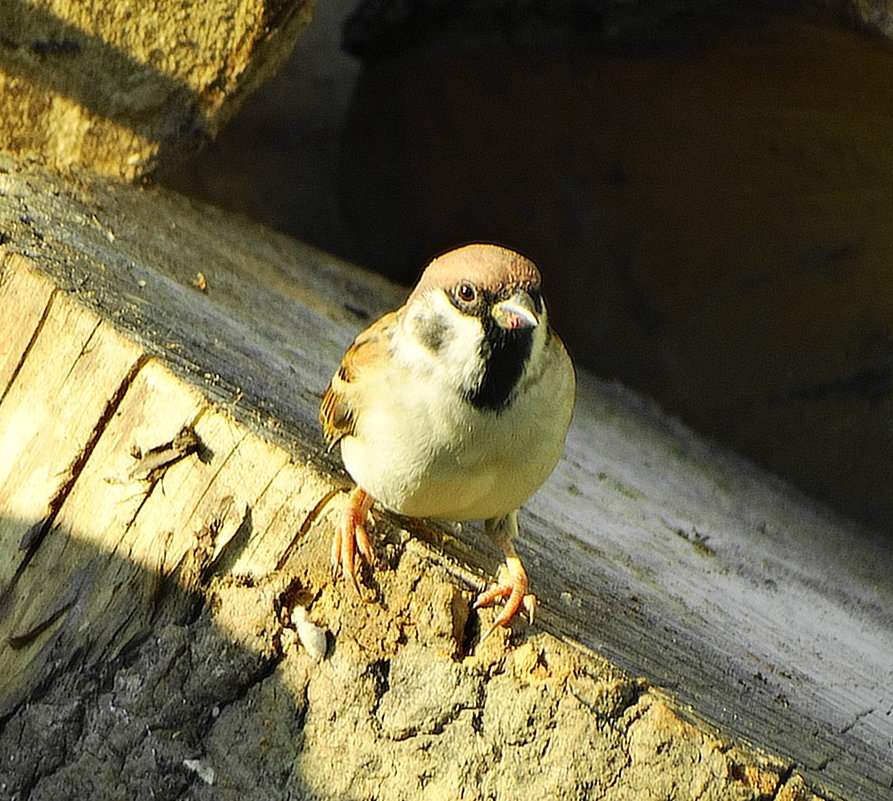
x=48, y=422
x=762, y=612
x=25, y=295
x=748, y=601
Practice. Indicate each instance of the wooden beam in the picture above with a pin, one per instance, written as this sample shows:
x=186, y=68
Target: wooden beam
x=747, y=607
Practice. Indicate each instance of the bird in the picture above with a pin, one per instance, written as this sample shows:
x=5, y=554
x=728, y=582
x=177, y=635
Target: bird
x=455, y=406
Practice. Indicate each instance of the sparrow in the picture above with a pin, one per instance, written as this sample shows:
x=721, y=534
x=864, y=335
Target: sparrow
x=454, y=406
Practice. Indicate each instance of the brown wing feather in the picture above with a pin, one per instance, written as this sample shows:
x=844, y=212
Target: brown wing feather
x=334, y=417
x=339, y=407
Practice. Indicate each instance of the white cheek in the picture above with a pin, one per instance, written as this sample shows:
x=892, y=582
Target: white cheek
x=457, y=361
x=464, y=347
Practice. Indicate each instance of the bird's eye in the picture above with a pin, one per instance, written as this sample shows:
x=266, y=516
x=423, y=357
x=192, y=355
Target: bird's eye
x=466, y=292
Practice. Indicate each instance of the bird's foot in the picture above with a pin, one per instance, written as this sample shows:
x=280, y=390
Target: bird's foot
x=351, y=537
x=511, y=584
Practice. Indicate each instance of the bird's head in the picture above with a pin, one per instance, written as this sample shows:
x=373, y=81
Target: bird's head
x=477, y=318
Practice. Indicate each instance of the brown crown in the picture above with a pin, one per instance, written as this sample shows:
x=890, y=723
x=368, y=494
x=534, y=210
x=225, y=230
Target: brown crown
x=487, y=266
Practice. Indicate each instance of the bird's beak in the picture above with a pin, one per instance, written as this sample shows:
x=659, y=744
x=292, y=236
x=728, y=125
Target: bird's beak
x=516, y=312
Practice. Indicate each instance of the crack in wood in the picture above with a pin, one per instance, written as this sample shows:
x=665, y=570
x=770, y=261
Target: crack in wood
x=309, y=520
x=17, y=641
x=36, y=333
x=35, y=535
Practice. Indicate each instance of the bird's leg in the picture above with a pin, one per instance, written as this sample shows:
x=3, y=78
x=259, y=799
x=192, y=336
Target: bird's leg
x=511, y=581
x=351, y=536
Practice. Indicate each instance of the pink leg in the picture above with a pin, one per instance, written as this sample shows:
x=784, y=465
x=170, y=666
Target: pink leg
x=511, y=581
x=351, y=536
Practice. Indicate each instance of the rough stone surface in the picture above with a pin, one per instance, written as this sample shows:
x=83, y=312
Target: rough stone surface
x=122, y=88
x=226, y=705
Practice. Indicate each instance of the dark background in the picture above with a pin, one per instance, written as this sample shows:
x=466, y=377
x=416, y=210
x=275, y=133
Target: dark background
x=706, y=190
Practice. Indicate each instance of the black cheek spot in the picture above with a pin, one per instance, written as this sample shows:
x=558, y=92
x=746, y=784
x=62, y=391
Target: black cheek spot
x=433, y=332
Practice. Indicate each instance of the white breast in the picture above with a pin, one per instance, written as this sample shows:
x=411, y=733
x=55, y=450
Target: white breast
x=421, y=450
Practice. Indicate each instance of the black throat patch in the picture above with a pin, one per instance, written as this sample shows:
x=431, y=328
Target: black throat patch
x=505, y=354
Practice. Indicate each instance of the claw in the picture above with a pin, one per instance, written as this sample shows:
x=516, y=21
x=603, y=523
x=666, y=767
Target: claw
x=511, y=584
x=351, y=537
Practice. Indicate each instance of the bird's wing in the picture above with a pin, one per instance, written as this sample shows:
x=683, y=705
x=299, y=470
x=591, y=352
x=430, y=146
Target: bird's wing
x=339, y=408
